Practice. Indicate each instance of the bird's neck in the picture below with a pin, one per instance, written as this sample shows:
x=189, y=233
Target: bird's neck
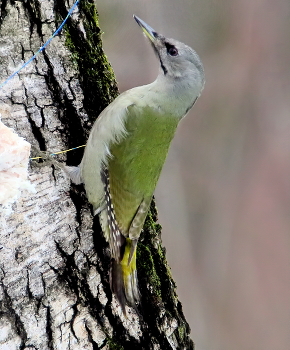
x=179, y=93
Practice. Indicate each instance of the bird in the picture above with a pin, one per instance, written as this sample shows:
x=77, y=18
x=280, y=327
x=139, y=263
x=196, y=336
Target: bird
x=126, y=150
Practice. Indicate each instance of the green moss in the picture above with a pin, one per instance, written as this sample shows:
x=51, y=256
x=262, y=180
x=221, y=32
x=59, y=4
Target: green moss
x=91, y=12
x=151, y=260
x=146, y=266
x=69, y=44
x=113, y=345
x=96, y=75
x=182, y=333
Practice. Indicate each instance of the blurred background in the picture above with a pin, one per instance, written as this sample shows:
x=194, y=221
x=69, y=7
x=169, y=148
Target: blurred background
x=224, y=194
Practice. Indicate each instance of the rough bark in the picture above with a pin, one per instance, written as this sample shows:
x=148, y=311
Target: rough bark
x=54, y=261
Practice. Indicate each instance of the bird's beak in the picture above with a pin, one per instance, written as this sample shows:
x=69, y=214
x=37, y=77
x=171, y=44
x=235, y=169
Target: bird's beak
x=147, y=30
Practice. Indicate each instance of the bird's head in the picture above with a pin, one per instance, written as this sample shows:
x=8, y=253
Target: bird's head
x=177, y=60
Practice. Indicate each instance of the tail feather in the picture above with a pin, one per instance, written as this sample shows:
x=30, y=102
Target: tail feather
x=124, y=282
x=117, y=283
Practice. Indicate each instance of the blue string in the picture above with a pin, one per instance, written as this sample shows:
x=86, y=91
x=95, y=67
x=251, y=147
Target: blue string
x=42, y=47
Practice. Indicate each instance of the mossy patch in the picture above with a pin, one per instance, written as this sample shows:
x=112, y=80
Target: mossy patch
x=151, y=260
x=96, y=75
x=114, y=345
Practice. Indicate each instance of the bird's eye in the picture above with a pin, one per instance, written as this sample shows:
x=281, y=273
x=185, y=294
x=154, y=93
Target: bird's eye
x=171, y=49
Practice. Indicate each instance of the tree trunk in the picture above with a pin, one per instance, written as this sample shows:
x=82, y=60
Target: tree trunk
x=54, y=261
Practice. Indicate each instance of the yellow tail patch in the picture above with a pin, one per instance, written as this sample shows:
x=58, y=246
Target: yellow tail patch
x=128, y=262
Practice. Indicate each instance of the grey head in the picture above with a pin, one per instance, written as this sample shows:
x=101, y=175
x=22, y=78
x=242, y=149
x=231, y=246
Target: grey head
x=177, y=60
